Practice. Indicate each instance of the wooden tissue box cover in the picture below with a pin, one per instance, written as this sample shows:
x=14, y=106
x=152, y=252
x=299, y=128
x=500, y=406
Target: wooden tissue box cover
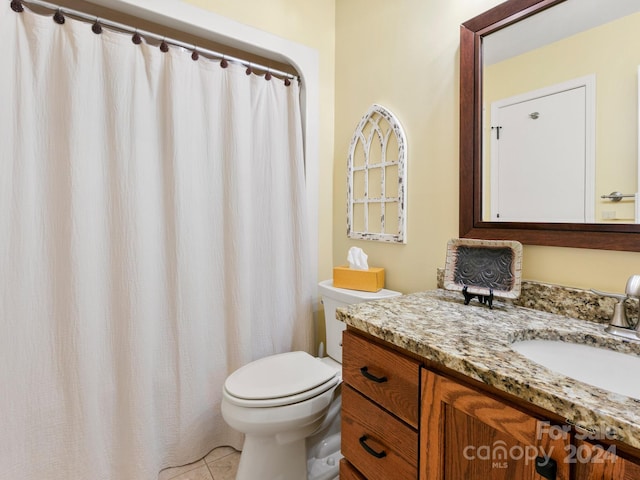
x=370, y=280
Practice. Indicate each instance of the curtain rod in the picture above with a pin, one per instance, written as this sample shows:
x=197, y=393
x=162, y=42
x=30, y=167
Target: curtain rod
x=16, y=5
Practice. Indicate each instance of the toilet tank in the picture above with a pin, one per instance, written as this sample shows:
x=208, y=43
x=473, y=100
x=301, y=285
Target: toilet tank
x=332, y=298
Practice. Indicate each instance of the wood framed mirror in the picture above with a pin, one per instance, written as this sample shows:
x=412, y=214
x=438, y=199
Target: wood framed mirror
x=472, y=223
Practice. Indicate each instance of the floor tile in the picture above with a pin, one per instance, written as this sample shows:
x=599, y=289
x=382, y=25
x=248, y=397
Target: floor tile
x=199, y=473
x=225, y=468
x=171, y=473
x=218, y=453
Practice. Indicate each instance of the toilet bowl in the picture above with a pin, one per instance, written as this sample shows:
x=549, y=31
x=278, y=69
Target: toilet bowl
x=288, y=404
x=277, y=402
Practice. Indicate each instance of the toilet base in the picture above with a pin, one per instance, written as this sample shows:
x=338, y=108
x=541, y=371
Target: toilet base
x=326, y=464
x=264, y=457
x=323, y=448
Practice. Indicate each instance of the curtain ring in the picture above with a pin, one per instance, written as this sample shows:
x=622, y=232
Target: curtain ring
x=136, y=38
x=224, y=63
x=96, y=27
x=16, y=6
x=58, y=17
x=195, y=55
x=164, y=48
x=249, y=71
x=267, y=75
x=287, y=82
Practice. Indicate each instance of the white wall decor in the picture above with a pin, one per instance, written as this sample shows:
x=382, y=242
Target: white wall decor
x=376, y=174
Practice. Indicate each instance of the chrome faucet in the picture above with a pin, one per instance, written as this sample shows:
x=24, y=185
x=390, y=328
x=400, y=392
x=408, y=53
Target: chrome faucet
x=619, y=324
x=633, y=291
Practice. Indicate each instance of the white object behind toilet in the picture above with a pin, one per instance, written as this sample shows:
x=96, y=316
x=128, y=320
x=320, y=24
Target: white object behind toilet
x=334, y=297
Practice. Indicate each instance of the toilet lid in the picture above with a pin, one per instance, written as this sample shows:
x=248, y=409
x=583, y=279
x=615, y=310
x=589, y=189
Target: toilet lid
x=277, y=376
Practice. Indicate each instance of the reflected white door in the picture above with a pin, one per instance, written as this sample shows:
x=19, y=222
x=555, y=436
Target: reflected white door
x=637, y=197
x=541, y=169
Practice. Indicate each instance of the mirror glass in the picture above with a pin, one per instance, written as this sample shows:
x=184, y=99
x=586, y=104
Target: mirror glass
x=559, y=115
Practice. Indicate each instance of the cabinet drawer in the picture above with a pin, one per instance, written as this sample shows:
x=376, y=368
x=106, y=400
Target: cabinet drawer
x=347, y=472
x=376, y=443
x=385, y=376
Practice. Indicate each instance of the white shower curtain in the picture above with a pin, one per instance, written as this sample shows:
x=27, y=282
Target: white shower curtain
x=152, y=240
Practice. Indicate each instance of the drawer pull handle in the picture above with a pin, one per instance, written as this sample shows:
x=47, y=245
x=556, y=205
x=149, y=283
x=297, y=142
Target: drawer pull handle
x=363, y=441
x=365, y=371
x=546, y=467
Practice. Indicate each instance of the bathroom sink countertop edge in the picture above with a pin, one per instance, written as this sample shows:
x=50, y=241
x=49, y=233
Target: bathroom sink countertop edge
x=477, y=342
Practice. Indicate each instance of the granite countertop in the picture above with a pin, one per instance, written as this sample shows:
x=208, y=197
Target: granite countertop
x=475, y=341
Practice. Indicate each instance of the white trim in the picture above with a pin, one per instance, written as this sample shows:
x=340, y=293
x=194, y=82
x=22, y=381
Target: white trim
x=589, y=83
x=211, y=26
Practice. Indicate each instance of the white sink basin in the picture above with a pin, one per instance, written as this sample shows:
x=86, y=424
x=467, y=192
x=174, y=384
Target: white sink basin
x=606, y=369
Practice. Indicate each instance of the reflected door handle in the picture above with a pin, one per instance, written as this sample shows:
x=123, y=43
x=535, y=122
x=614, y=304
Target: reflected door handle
x=617, y=196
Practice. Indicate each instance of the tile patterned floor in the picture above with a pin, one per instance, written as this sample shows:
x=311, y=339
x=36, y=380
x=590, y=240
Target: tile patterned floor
x=220, y=464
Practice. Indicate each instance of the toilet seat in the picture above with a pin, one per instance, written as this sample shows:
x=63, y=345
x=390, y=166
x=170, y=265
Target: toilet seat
x=279, y=380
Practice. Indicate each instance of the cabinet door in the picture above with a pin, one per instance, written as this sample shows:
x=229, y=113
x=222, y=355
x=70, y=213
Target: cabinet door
x=601, y=463
x=467, y=435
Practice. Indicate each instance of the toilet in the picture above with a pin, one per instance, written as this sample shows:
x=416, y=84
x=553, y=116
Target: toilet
x=288, y=404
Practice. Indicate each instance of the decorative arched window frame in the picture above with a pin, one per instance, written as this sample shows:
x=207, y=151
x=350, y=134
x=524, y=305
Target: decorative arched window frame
x=376, y=194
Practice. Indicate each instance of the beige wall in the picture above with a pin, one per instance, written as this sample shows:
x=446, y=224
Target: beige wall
x=403, y=54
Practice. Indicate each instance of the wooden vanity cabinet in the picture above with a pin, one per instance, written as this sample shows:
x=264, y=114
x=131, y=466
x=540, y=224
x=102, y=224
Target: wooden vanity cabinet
x=401, y=421
x=347, y=472
x=470, y=435
x=595, y=462
x=380, y=403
